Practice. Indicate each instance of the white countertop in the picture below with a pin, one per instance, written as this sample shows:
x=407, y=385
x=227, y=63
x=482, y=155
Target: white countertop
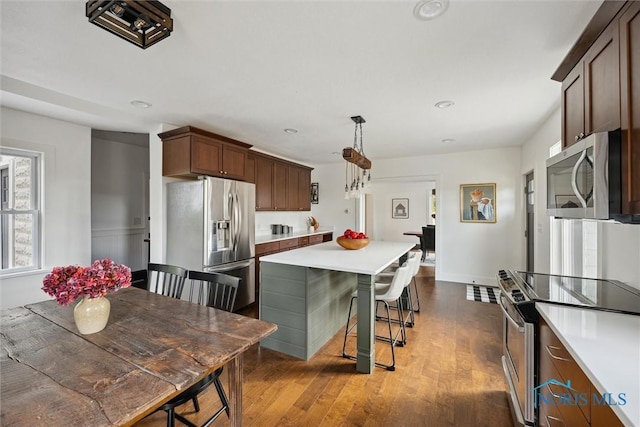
x=371, y=259
x=267, y=238
x=607, y=347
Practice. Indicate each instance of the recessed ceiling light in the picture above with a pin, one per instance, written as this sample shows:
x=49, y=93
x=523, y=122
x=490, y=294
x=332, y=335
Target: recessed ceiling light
x=448, y=140
x=426, y=10
x=291, y=130
x=444, y=104
x=140, y=104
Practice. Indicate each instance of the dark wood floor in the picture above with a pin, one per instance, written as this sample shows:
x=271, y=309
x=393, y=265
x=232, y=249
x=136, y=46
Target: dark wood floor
x=448, y=374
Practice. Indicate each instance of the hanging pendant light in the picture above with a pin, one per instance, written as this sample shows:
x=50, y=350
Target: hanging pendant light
x=360, y=171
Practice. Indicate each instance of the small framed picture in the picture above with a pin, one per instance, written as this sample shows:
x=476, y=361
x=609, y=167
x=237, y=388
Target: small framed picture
x=478, y=203
x=400, y=208
x=315, y=193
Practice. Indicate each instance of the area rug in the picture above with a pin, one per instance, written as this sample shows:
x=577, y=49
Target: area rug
x=429, y=260
x=483, y=294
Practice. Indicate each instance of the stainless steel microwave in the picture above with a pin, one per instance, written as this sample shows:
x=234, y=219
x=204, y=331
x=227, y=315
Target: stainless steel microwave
x=585, y=181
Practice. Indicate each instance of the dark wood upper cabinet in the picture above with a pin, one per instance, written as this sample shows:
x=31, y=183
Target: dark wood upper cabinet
x=293, y=196
x=304, y=189
x=629, y=27
x=251, y=169
x=299, y=188
x=264, y=183
x=206, y=155
x=281, y=185
x=602, y=83
x=573, y=106
x=189, y=152
x=591, y=91
x=601, y=92
x=299, y=195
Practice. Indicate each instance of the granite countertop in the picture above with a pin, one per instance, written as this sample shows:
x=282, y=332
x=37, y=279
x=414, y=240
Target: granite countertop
x=267, y=238
x=606, y=346
x=371, y=259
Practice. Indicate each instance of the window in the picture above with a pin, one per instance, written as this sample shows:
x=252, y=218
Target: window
x=20, y=217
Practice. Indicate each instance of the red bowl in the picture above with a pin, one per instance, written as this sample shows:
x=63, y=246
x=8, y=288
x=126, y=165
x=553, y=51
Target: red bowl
x=352, y=244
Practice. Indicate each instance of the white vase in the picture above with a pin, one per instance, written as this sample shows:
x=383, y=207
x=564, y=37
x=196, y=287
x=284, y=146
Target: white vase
x=311, y=229
x=92, y=314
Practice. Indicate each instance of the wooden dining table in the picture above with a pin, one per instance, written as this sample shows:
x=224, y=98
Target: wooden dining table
x=152, y=348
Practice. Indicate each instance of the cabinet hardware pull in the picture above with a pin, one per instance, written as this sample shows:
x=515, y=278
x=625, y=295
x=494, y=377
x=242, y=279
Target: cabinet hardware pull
x=551, y=391
x=549, y=347
x=558, y=420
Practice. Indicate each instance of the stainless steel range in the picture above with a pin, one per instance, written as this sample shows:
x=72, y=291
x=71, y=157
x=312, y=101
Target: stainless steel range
x=519, y=293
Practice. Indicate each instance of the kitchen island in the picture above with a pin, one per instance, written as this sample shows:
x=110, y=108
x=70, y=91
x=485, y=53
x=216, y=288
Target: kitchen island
x=606, y=347
x=306, y=292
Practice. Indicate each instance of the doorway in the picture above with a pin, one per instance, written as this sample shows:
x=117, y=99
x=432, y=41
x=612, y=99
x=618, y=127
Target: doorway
x=530, y=221
x=418, y=198
x=120, y=197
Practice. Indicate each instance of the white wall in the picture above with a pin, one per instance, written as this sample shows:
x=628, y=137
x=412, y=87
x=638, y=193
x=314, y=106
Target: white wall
x=466, y=252
x=66, y=152
x=387, y=228
x=157, y=197
x=297, y=220
x=535, y=152
x=619, y=252
x=332, y=208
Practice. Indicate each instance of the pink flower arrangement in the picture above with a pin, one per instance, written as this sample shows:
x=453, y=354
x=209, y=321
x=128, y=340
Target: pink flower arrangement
x=68, y=283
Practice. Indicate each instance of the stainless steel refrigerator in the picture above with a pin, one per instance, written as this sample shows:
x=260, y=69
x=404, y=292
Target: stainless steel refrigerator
x=210, y=227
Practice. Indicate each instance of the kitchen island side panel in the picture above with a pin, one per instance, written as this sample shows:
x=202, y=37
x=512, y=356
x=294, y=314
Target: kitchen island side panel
x=283, y=299
x=308, y=305
x=328, y=305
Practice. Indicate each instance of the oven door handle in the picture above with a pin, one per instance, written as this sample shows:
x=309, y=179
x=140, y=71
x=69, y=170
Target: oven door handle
x=511, y=319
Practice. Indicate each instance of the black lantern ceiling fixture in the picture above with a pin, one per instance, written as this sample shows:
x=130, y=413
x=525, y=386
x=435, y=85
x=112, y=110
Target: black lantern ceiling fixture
x=143, y=23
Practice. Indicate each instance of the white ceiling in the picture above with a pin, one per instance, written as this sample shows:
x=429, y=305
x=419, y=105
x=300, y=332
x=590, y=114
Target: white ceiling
x=248, y=70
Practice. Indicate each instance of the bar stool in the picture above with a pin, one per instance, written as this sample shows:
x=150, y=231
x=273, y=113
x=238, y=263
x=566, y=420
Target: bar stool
x=414, y=267
x=384, y=294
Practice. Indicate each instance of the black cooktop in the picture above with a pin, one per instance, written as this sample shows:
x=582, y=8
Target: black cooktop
x=609, y=295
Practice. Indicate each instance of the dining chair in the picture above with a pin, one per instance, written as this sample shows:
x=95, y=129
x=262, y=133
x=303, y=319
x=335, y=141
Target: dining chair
x=386, y=295
x=428, y=241
x=140, y=279
x=213, y=290
x=167, y=280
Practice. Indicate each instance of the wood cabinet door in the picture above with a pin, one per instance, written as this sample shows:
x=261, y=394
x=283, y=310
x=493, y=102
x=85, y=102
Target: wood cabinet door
x=176, y=157
x=280, y=178
x=573, y=105
x=304, y=189
x=629, y=25
x=251, y=169
x=293, y=195
x=264, y=184
x=299, y=188
x=206, y=156
x=234, y=162
x=602, y=83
